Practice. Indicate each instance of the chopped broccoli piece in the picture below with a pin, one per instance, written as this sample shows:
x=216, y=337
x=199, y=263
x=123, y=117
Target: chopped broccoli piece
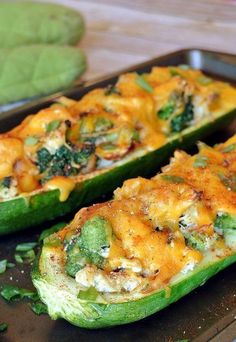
x=198, y=240
x=225, y=221
x=89, y=246
x=94, y=238
x=165, y=112
x=75, y=261
x=181, y=121
x=193, y=237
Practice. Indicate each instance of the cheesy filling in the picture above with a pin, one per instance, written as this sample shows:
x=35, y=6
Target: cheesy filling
x=107, y=127
x=155, y=229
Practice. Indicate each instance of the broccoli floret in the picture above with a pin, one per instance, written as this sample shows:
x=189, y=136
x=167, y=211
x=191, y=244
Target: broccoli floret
x=43, y=159
x=165, y=112
x=198, y=240
x=181, y=121
x=75, y=260
x=193, y=237
x=61, y=163
x=226, y=225
x=81, y=156
x=225, y=221
x=89, y=246
x=94, y=239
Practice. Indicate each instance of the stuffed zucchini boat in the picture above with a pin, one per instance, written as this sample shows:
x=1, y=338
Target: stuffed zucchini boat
x=69, y=154
x=120, y=261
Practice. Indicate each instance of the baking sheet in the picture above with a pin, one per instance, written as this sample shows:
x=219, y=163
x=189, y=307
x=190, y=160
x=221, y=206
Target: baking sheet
x=204, y=314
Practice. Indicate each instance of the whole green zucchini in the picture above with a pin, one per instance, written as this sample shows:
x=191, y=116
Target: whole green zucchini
x=34, y=70
x=25, y=212
x=24, y=23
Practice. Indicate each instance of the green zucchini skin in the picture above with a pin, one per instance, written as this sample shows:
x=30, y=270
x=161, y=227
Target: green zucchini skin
x=24, y=23
x=47, y=68
x=94, y=315
x=21, y=213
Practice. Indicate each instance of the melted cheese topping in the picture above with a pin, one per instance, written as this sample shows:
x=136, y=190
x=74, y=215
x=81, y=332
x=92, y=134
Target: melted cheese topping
x=64, y=185
x=149, y=220
x=11, y=150
x=129, y=106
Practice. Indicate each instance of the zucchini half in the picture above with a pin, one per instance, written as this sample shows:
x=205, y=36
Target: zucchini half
x=59, y=292
x=120, y=261
x=23, y=212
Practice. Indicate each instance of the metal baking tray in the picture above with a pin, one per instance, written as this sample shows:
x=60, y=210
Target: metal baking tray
x=206, y=314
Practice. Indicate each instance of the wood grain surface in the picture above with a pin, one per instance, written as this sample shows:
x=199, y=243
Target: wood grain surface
x=125, y=32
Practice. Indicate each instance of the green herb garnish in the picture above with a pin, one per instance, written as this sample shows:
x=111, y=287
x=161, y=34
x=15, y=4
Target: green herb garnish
x=53, y=125
x=174, y=72
x=111, y=90
x=200, y=161
x=203, y=80
x=54, y=229
x=140, y=80
x=4, y=264
x=184, y=66
x=10, y=292
x=26, y=246
x=229, y=148
x=31, y=141
x=25, y=257
x=173, y=179
x=39, y=308
x=3, y=327
x=228, y=181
